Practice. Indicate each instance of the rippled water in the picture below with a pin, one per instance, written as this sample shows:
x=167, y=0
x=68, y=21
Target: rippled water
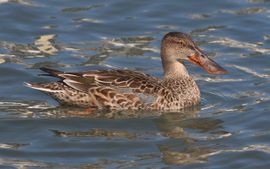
x=230, y=129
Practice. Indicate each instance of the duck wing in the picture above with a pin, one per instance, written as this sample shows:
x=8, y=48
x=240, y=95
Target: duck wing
x=136, y=81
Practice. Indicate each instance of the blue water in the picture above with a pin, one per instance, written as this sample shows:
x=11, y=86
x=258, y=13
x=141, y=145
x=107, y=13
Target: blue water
x=230, y=129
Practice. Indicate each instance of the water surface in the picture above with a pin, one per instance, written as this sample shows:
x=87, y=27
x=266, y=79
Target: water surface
x=230, y=129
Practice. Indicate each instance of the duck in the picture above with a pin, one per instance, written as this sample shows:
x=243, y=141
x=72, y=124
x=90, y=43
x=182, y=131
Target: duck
x=128, y=89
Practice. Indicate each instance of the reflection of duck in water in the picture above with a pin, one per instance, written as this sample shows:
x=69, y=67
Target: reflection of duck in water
x=175, y=138
x=126, y=89
x=188, y=137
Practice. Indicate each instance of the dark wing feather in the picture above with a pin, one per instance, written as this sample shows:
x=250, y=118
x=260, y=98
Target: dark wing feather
x=74, y=80
x=50, y=72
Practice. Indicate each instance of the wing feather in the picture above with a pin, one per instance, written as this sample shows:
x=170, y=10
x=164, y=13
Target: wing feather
x=136, y=81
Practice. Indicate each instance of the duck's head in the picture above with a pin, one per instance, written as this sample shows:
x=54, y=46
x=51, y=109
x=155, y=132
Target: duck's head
x=177, y=46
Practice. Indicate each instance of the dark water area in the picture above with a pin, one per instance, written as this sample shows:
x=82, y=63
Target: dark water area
x=230, y=129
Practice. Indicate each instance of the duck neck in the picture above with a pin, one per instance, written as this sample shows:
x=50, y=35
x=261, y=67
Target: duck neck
x=174, y=69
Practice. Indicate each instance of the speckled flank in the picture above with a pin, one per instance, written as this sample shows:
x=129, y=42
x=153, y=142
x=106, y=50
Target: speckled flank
x=177, y=94
x=65, y=94
x=169, y=93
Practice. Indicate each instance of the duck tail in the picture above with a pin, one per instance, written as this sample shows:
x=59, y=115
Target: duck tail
x=43, y=87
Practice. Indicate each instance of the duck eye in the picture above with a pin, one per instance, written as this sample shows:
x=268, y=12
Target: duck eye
x=181, y=43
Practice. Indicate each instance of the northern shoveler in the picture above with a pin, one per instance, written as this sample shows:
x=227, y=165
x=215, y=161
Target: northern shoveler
x=126, y=89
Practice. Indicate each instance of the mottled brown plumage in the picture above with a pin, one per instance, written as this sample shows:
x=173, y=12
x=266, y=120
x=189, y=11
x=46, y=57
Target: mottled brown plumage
x=126, y=89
